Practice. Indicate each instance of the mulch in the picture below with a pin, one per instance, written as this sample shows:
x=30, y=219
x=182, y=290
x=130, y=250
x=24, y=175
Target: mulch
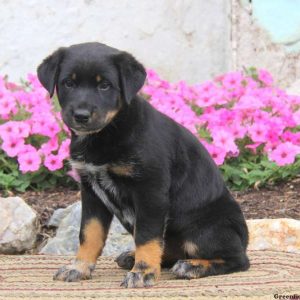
x=278, y=201
x=30, y=277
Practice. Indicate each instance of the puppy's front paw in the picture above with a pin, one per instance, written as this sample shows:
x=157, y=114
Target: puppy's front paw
x=76, y=271
x=138, y=279
x=142, y=275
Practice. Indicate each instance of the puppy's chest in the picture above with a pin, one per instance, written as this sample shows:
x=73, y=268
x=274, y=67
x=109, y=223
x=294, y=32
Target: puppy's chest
x=105, y=181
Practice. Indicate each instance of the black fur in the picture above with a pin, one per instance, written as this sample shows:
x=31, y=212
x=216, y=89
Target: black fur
x=174, y=189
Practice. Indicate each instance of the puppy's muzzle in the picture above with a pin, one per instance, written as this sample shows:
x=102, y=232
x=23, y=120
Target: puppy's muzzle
x=82, y=116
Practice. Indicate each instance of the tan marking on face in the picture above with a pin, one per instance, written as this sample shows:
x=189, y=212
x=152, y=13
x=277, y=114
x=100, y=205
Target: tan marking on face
x=110, y=115
x=98, y=78
x=74, y=76
x=151, y=254
x=121, y=170
x=190, y=248
x=93, y=242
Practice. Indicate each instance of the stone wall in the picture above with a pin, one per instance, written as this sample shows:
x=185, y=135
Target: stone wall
x=266, y=34
x=181, y=39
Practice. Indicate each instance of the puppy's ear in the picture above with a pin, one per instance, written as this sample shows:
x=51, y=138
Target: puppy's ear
x=132, y=75
x=48, y=70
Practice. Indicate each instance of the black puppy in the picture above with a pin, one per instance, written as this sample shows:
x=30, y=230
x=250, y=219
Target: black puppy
x=138, y=164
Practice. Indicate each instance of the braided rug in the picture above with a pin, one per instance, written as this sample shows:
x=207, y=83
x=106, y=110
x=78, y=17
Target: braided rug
x=30, y=277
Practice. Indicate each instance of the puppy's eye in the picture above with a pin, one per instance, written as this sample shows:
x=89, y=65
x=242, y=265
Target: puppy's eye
x=69, y=83
x=104, y=85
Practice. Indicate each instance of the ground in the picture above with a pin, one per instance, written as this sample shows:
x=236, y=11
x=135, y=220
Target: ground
x=279, y=201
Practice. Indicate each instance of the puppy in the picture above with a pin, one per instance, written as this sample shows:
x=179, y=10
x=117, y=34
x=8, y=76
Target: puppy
x=139, y=165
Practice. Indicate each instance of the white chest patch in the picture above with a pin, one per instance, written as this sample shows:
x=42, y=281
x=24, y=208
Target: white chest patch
x=101, y=182
x=99, y=173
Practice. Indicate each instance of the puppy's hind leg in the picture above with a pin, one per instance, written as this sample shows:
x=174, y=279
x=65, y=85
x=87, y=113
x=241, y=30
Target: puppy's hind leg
x=218, y=250
x=196, y=268
x=126, y=260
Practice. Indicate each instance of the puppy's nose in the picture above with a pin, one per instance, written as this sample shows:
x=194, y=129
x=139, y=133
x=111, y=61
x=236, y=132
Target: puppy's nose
x=82, y=116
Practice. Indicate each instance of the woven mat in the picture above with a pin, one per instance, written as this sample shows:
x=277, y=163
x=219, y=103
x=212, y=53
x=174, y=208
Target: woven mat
x=30, y=277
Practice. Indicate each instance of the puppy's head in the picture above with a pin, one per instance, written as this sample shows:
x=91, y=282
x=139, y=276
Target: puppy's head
x=93, y=82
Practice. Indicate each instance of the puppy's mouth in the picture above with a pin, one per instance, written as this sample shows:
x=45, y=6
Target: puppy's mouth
x=83, y=131
x=88, y=126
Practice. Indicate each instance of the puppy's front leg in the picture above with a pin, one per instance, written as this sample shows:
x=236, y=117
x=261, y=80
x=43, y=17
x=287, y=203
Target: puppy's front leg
x=95, y=222
x=148, y=235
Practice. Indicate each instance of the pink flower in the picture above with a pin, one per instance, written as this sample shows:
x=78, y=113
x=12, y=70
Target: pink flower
x=297, y=117
x=74, y=174
x=249, y=102
x=45, y=124
x=16, y=128
x=232, y=80
x=64, y=150
x=33, y=80
x=13, y=145
x=29, y=161
x=23, y=129
x=6, y=130
x=250, y=83
x=205, y=100
x=205, y=87
x=258, y=132
x=225, y=140
x=272, y=137
x=53, y=162
x=253, y=147
x=284, y=154
x=265, y=77
x=218, y=154
x=293, y=137
x=49, y=146
x=28, y=148
x=7, y=104
x=238, y=131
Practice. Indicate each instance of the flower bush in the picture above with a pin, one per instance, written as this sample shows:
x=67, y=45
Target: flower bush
x=35, y=142
x=249, y=126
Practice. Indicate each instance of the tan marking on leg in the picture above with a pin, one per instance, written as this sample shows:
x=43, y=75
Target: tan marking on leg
x=132, y=253
x=190, y=248
x=110, y=115
x=205, y=262
x=122, y=169
x=218, y=261
x=98, y=78
x=94, y=238
x=82, y=267
x=151, y=255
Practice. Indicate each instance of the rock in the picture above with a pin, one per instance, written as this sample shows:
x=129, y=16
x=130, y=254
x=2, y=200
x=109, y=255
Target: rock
x=265, y=234
x=118, y=240
x=274, y=234
x=18, y=226
x=66, y=241
x=58, y=215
